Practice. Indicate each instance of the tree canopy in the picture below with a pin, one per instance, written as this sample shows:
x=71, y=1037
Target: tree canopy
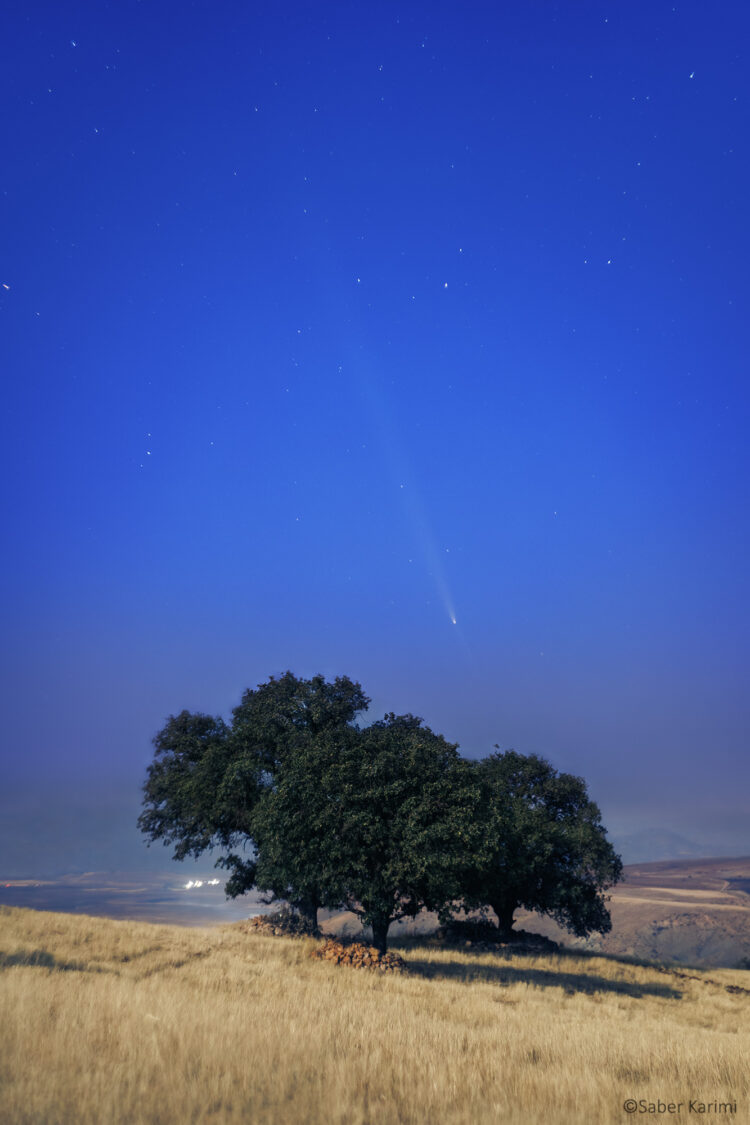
x=544, y=847
x=205, y=783
x=384, y=820
x=406, y=821
x=198, y=794
x=381, y=817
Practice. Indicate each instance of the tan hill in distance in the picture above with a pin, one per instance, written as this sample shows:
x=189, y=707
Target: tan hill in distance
x=693, y=912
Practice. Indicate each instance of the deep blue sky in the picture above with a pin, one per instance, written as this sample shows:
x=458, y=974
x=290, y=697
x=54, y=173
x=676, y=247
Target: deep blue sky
x=324, y=324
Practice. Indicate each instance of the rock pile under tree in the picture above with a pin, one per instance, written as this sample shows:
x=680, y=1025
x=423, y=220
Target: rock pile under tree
x=359, y=956
x=284, y=922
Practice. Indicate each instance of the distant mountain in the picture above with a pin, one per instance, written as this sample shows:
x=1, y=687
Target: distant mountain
x=658, y=844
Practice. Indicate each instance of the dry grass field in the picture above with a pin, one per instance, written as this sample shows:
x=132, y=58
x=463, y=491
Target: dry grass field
x=112, y=1022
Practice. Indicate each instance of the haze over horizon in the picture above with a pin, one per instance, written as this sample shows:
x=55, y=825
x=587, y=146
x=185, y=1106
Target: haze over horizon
x=406, y=344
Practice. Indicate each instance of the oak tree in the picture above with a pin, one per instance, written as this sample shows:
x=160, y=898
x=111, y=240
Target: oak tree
x=207, y=779
x=543, y=847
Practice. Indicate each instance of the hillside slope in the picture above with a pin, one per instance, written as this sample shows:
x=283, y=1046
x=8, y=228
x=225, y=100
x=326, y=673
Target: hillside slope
x=124, y=1022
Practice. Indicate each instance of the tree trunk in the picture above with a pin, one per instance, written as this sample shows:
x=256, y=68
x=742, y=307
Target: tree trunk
x=308, y=909
x=505, y=912
x=380, y=933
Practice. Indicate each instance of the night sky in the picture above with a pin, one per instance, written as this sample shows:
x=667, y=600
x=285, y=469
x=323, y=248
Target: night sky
x=406, y=342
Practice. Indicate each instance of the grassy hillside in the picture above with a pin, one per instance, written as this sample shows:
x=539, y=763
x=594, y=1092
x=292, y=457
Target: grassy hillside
x=109, y=1022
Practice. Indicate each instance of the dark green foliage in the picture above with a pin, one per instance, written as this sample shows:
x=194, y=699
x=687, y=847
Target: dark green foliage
x=400, y=809
x=270, y=719
x=544, y=847
x=386, y=820
x=207, y=779
x=279, y=726
x=376, y=820
x=295, y=821
x=198, y=794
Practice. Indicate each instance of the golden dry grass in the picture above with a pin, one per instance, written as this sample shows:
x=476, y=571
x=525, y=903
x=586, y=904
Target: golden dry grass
x=124, y=1022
